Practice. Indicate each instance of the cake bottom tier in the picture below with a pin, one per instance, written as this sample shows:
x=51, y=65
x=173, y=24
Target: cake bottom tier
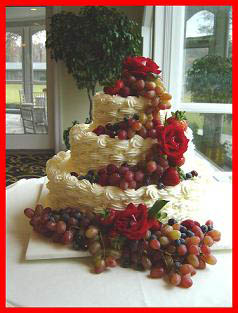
x=66, y=190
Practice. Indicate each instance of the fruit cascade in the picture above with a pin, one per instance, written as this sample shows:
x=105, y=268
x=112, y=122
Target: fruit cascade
x=162, y=163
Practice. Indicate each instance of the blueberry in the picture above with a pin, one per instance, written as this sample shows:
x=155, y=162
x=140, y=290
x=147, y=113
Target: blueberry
x=204, y=228
x=116, y=127
x=177, y=242
x=77, y=215
x=160, y=185
x=88, y=177
x=189, y=175
x=90, y=172
x=183, y=235
x=109, y=126
x=209, y=227
x=182, y=241
x=153, y=237
x=177, y=264
x=183, y=229
x=189, y=233
x=65, y=217
x=147, y=181
x=172, y=221
x=81, y=177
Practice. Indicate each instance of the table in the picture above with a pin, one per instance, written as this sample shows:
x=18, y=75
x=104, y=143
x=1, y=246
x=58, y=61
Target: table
x=69, y=283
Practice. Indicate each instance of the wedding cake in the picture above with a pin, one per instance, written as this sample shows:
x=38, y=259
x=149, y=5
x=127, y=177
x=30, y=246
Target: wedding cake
x=135, y=150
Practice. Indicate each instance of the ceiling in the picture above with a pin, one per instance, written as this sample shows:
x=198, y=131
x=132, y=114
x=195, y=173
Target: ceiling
x=24, y=13
x=18, y=14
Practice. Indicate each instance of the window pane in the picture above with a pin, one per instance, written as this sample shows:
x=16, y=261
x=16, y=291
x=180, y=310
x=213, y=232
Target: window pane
x=213, y=137
x=207, y=55
x=14, y=82
x=39, y=61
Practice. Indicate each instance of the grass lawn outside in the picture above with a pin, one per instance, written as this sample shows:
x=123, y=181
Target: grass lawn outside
x=12, y=92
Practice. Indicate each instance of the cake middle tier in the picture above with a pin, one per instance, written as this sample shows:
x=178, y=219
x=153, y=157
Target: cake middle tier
x=89, y=151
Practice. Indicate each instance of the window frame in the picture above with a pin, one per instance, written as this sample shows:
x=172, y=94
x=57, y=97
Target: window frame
x=169, y=22
x=169, y=25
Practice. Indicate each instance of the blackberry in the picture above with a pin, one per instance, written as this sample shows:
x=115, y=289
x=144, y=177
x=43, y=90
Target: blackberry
x=74, y=174
x=194, y=173
x=81, y=177
x=136, y=117
x=209, y=228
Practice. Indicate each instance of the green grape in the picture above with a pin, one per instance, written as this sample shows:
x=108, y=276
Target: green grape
x=174, y=234
x=193, y=260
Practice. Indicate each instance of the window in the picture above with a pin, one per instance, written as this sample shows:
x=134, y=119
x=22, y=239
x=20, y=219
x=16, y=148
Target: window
x=197, y=70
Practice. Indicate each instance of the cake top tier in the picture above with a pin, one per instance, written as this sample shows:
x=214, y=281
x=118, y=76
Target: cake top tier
x=112, y=108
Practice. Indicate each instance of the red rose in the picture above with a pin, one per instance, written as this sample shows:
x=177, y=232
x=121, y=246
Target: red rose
x=172, y=141
x=132, y=222
x=140, y=67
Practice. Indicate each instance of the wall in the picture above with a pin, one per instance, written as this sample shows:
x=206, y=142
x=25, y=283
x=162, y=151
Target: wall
x=74, y=102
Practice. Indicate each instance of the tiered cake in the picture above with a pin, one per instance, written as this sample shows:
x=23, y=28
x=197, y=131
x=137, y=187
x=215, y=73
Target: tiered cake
x=132, y=128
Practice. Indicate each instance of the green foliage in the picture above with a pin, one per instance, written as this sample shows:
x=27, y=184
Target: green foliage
x=92, y=44
x=154, y=211
x=210, y=80
x=66, y=135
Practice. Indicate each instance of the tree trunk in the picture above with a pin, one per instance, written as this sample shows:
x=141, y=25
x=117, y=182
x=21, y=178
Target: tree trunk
x=91, y=93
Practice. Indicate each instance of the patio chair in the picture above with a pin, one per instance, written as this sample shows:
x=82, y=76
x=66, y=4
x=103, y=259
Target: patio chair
x=34, y=119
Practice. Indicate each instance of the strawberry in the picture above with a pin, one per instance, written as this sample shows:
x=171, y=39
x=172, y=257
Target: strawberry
x=179, y=119
x=171, y=177
x=118, y=84
x=177, y=162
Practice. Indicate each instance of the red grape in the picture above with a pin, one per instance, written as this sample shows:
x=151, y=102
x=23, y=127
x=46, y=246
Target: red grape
x=124, y=184
x=29, y=212
x=175, y=279
x=67, y=237
x=129, y=176
x=122, y=134
x=157, y=272
x=112, y=168
x=186, y=281
x=151, y=166
x=60, y=227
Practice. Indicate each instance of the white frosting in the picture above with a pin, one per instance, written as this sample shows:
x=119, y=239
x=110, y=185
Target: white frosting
x=67, y=191
x=111, y=109
x=89, y=151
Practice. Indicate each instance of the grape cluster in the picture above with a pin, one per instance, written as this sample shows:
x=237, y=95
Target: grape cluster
x=128, y=177
x=144, y=125
x=144, y=173
x=60, y=225
x=173, y=250
x=151, y=88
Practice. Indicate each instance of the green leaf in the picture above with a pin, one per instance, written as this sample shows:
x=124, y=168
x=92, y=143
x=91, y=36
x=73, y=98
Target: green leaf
x=154, y=211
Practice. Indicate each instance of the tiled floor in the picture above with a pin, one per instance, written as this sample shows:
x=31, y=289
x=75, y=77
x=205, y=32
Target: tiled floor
x=25, y=165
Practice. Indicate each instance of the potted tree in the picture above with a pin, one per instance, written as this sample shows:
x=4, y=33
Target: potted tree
x=92, y=44
x=210, y=81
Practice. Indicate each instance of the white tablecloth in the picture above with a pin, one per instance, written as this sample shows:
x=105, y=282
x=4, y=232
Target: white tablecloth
x=69, y=283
